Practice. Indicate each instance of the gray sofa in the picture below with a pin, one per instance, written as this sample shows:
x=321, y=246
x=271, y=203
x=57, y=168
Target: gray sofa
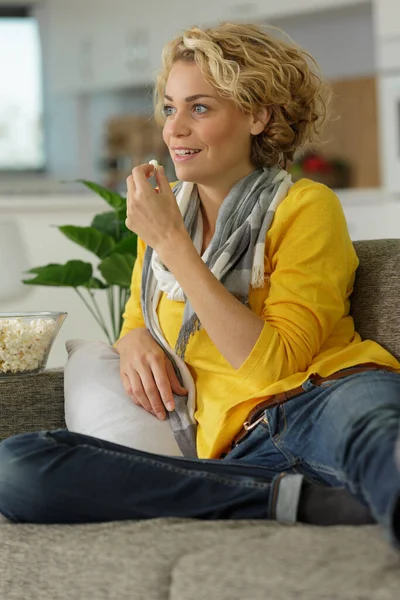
x=179, y=559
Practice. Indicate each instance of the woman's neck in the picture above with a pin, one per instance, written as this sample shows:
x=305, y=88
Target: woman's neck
x=210, y=202
x=213, y=195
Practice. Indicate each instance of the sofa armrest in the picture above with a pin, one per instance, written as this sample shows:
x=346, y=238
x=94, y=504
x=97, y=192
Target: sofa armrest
x=32, y=403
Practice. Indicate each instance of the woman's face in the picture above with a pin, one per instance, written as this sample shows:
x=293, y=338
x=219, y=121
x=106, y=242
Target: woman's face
x=209, y=139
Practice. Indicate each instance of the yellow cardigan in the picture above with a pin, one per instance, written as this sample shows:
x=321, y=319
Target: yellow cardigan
x=310, y=266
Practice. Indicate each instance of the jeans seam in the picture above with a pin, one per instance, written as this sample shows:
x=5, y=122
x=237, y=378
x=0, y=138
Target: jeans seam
x=277, y=438
x=165, y=466
x=291, y=460
x=325, y=469
x=283, y=411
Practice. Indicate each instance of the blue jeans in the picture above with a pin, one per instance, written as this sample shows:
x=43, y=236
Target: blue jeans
x=342, y=433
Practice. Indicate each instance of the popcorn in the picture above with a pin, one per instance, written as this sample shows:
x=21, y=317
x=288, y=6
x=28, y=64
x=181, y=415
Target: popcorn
x=23, y=344
x=154, y=163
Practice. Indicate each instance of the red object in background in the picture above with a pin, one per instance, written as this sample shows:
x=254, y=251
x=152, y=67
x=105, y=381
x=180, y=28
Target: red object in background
x=316, y=164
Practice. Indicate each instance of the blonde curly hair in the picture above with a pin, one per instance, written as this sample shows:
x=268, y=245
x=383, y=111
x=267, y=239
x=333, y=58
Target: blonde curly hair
x=256, y=70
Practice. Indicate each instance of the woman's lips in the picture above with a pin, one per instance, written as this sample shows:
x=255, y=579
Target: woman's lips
x=182, y=158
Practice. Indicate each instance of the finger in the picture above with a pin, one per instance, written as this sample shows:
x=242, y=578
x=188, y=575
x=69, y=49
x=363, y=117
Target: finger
x=130, y=185
x=164, y=385
x=140, y=176
x=130, y=192
x=174, y=381
x=162, y=180
x=128, y=390
x=138, y=390
x=152, y=394
x=127, y=385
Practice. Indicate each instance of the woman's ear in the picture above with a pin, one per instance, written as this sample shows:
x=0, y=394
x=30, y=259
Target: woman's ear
x=260, y=120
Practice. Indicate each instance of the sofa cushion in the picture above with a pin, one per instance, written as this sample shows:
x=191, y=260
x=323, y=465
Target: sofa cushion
x=32, y=403
x=96, y=403
x=375, y=299
x=178, y=559
x=291, y=564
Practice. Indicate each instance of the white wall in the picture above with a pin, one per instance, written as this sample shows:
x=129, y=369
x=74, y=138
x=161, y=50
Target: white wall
x=341, y=40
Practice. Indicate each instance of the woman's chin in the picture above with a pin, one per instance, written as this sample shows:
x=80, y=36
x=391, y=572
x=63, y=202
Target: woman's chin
x=186, y=172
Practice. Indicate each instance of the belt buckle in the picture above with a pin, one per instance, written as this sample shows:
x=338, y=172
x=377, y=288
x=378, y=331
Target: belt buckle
x=249, y=426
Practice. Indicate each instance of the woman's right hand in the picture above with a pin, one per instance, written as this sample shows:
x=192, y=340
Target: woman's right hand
x=147, y=374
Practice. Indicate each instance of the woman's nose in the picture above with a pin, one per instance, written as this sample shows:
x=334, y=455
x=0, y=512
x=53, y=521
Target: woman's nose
x=178, y=126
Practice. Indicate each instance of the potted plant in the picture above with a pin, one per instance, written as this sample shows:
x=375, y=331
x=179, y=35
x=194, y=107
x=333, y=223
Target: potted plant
x=115, y=246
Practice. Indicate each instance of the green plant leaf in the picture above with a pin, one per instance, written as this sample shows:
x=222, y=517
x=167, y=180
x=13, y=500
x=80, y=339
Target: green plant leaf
x=121, y=212
x=126, y=246
x=73, y=274
x=117, y=269
x=96, y=284
x=39, y=269
x=112, y=198
x=109, y=224
x=90, y=238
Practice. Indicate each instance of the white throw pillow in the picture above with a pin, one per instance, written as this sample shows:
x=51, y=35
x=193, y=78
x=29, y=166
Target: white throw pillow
x=96, y=403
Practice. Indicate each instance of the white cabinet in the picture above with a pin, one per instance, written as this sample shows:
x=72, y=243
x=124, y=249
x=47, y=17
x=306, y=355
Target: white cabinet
x=387, y=17
x=122, y=46
x=387, y=40
x=95, y=45
x=387, y=30
x=98, y=45
x=389, y=119
x=253, y=11
x=69, y=45
x=371, y=214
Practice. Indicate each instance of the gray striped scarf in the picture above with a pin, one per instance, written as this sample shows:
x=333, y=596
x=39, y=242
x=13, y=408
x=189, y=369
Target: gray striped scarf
x=236, y=258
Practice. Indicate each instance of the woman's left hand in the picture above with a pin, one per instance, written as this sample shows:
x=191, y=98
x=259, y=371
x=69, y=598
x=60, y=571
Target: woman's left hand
x=152, y=214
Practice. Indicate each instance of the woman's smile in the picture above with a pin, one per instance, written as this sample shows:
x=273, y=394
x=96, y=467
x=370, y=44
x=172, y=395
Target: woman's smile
x=181, y=154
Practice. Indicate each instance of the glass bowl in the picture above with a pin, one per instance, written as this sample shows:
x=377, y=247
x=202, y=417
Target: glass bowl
x=26, y=339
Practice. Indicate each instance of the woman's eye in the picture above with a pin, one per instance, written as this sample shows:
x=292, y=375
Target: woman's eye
x=200, y=109
x=167, y=110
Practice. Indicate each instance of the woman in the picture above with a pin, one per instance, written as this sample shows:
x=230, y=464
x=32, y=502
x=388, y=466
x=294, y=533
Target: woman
x=238, y=324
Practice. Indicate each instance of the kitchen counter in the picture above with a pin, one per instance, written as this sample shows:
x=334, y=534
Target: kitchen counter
x=73, y=196
x=51, y=203
x=37, y=184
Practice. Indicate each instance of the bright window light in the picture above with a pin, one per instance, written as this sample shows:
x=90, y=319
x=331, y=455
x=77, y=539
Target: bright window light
x=21, y=118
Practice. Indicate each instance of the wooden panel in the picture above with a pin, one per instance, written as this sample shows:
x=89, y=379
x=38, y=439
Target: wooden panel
x=130, y=141
x=352, y=133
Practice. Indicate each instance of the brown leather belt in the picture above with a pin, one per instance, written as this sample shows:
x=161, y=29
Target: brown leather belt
x=257, y=414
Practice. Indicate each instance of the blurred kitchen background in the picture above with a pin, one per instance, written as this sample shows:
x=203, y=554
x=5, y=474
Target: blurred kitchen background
x=76, y=84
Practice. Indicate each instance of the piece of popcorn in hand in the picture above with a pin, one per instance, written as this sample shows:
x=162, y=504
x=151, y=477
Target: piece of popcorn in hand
x=154, y=163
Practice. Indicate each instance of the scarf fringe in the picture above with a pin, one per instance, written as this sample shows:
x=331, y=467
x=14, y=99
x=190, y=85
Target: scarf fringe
x=257, y=277
x=188, y=329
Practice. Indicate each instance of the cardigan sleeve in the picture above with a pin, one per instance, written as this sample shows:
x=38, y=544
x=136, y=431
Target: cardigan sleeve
x=133, y=316
x=313, y=263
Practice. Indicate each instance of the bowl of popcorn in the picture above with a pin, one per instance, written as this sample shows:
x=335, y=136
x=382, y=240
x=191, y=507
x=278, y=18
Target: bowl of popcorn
x=26, y=339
